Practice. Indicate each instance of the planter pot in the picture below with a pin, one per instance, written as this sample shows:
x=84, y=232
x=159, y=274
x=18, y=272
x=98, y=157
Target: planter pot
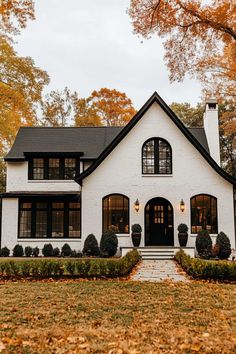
x=136, y=238
x=183, y=239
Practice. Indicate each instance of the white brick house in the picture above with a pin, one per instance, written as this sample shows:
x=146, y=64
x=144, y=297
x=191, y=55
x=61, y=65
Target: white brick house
x=154, y=161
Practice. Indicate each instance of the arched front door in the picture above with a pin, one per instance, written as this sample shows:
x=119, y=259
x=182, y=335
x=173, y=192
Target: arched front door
x=159, y=228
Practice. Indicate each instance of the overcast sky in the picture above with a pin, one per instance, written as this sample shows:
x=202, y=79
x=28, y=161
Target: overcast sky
x=87, y=45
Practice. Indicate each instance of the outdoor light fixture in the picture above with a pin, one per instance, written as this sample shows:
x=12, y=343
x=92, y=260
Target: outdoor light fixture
x=182, y=205
x=136, y=205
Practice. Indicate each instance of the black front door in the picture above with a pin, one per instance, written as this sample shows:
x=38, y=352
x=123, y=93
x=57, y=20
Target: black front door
x=159, y=223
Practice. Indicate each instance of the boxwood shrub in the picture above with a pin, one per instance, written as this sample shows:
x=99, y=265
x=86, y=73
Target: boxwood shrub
x=223, y=243
x=207, y=269
x=108, y=244
x=80, y=268
x=4, y=252
x=18, y=251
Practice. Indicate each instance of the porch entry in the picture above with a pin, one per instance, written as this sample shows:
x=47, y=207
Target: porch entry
x=159, y=228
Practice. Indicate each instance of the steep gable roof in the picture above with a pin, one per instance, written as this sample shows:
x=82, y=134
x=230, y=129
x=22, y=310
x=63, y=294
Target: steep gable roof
x=155, y=98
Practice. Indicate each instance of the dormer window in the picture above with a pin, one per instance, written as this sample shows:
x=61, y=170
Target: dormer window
x=212, y=105
x=156, y=157
x=53, y=168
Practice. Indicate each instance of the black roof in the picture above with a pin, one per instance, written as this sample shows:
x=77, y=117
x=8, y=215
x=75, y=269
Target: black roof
x=89, y=141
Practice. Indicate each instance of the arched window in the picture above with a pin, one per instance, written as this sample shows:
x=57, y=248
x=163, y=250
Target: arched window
x=115, y=209
x=157, y=157
x=204, y=213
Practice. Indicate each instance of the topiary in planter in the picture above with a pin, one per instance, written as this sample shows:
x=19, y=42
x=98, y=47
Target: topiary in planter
x=47, y=250
x=66, y=250
x=91, y=246
x=56, y=252
x=108, y=244
x=28, y=251
x=204, y=244
x=18, y=251
x=4, y=252
x=35, y=251
x=183, y=235
x=224, y=245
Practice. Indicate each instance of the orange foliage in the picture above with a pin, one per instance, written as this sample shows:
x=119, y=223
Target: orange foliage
x=199, y=39
x=14, y=14
x=104, y=107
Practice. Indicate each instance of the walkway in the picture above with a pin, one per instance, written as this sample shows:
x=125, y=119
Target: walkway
x=158, y=270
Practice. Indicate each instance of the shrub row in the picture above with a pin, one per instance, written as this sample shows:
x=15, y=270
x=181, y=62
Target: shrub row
x=81, y=268
x=47, y=251
x=206, y=269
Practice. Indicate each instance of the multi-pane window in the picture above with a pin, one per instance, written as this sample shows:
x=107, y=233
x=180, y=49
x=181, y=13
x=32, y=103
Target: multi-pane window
x=74, y=219
x=116, y=213
x=156, y=157
x=25, y=216
x=70, y=168
x=204, y=213
x=57, y=219
x=40, y=218
x=53, y=168
x=38, y=168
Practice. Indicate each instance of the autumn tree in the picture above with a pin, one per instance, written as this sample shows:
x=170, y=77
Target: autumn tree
x=199, y=39
x=104, y=107
x=56, y=108
x=190, y=116
x=14, y=15
x=85, y=114
x=228, y=138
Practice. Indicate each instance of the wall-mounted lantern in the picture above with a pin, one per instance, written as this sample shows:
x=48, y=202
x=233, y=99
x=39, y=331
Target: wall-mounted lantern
x=182, y=205
x=136, y=205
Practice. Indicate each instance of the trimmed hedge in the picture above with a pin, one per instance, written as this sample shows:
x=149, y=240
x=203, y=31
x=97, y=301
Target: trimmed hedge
x=80, y=268
x=205, y=269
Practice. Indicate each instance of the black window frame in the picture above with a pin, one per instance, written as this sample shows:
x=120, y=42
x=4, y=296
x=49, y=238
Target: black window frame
x=49, y=208
x=46, y=168
x=103, y=212
x=211, y=213
x=156, y=157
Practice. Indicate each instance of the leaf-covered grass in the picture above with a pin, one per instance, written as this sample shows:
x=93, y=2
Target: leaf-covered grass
x=117, y=317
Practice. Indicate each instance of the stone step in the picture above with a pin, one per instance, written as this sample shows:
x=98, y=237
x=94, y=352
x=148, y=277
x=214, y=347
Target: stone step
x=157, y=256
x=157, y=253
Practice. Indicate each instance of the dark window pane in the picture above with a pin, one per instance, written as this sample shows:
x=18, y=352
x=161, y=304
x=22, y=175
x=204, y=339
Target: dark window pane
x=70, y=166
x=74, y=205
x=74, y=223
x=204, y=214
x=41, y=224
x=54, y=169
x=38, y=169
x=57, y=223
x=25, y=223
x=58, y=205
x=116, y=213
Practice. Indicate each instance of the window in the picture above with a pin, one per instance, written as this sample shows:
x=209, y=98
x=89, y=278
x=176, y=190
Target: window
x=204, y=213
x=116, y=213
x=53, y=168
x=25, y=220
x=38, y=169
x=70, y=168
x=156, y=157
x=57, y=219
x=40, y=218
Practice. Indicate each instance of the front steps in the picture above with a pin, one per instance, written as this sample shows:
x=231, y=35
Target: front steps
x=159, y=252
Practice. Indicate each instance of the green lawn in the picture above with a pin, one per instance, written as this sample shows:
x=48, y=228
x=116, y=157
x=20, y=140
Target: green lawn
x=117, y=317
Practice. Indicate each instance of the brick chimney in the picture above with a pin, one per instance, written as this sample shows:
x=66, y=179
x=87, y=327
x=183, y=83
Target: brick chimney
x=211, y=126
